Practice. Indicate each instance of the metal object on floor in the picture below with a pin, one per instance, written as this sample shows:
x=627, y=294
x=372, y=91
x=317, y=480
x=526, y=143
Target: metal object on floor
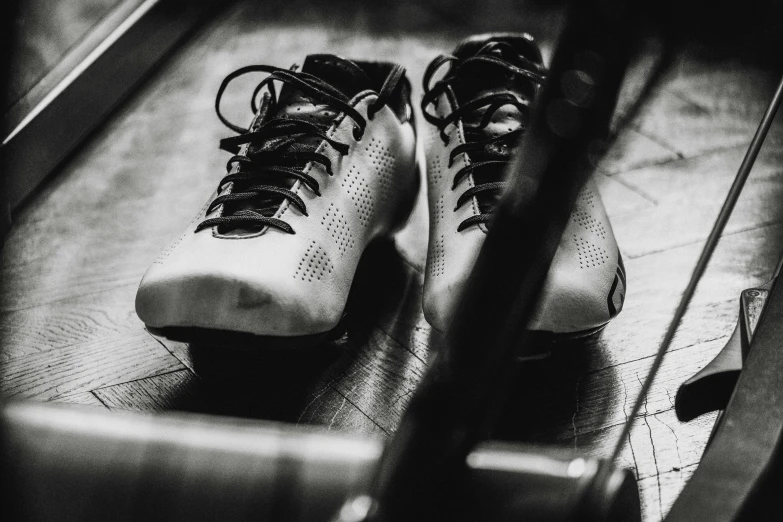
x=740, y=474
x=66, y=463
x=710, y=389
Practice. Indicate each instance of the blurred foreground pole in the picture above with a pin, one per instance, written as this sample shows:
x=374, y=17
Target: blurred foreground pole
x=64, y=463
x=422, y=475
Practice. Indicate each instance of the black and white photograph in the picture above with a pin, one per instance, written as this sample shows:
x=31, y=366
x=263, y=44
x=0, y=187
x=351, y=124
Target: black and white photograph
x=392, y=261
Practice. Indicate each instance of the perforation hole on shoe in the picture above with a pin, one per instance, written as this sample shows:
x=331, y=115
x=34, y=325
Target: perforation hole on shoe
x=435, y=164
x=337, y=227
x=315, y=264
x=384, y=162
x=590, y=254
x=170, y=248
x=361, y=195
x=438, y=262
x=440, y=210
x=586, y=199
x=583, y=216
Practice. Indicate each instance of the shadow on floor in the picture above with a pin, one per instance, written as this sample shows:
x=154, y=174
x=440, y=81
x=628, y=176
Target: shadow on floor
x=546, y=394
x=259, y=382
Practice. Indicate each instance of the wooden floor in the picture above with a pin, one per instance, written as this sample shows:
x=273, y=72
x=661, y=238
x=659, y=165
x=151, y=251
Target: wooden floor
x=73, y=260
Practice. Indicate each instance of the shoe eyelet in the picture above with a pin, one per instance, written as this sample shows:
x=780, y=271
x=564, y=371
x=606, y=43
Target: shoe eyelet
x=358, y=133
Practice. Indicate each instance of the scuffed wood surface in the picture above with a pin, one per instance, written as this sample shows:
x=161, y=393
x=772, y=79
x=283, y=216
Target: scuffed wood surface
x=77, y=251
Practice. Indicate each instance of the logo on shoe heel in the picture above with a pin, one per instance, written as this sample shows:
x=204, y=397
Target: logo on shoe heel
x=616, y=296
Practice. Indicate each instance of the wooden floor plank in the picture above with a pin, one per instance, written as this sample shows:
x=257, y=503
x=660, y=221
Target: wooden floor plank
x=85, y=367
x=331, y=409
x=381, y=380
x=655, y=281
x=178, y=349
x=168, y=391
x=684, y=213
x=692, y=128
x=659, y=493
x=567, y=408
x=632, y=150
x=68, y=322
x=624, y=200
x=81, y=399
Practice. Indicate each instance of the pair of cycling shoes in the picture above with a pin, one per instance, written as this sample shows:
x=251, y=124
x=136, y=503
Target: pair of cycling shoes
x=329, y=164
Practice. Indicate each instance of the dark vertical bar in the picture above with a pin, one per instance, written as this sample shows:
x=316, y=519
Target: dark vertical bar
x=8, y=11
x=423, y=466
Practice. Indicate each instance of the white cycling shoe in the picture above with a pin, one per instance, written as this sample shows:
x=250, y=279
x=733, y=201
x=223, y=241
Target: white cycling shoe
x=325, y=168
x=478, y=112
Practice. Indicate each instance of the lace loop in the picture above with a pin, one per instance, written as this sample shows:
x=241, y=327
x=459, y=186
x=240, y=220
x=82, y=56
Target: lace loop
x=536, y=77
x=247, y=217
x=492, y=158
x=478, y=189
x=274, y=149
x=468, y=169
x=475, y=220
x=397, y=73
x=282, y=127
x=476, y=146
x=227, y=80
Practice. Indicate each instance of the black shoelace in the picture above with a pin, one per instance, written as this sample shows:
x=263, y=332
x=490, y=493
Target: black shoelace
x=260, y=172
x=494, y=151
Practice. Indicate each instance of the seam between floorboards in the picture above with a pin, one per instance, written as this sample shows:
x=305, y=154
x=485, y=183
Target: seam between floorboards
x=341, y=394
x=185, y=369
x=401, y=344
x=659, y=141
x=698, y=155
x=165, y=347
x=100, y=400
x=97, y=339
x=635, y=190
x=680, y=96
x=606, y=428
x=757, y=226
x=673, y=350
x=65, y=298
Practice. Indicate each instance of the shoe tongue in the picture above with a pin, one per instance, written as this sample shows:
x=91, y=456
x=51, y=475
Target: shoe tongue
x=479, y=79
x=522, y=43
x=345, y=76
x=339, y=72
x=342, y=74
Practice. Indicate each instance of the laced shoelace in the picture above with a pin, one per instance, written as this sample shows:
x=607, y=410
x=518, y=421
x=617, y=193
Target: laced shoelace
x=489, y=147
x=259, y=170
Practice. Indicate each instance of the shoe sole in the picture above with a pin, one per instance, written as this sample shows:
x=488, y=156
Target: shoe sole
x=560, y=337
x=243, y=341
x=543, y=343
